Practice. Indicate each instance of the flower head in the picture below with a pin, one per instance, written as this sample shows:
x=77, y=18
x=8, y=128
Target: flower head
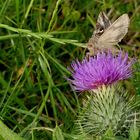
x=102, y=69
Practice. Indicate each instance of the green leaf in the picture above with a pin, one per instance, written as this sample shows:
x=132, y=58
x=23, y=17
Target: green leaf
x=134, y=132
x=120, y=138
x=7, y=134
x=109, y=135
x=57, y=134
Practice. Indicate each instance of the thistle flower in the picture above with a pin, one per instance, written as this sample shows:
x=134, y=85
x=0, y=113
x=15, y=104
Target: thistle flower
x=102, y=69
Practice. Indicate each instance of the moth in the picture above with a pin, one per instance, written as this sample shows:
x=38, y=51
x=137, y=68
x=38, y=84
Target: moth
x=107, y=34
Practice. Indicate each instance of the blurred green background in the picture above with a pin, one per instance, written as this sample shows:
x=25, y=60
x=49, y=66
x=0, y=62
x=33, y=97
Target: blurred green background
x=38, y=41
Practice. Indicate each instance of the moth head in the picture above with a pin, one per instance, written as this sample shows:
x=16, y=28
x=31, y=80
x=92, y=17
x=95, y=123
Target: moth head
x=99, y=29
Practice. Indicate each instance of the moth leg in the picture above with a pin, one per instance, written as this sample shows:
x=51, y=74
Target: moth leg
x=88, y=55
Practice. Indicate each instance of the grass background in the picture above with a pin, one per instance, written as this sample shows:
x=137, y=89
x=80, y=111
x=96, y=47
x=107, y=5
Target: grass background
x=38, y=41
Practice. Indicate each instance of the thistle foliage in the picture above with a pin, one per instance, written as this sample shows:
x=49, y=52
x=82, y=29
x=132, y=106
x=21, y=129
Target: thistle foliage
x=109, y=107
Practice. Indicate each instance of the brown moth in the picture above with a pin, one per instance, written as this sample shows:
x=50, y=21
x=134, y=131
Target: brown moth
x=106, y=34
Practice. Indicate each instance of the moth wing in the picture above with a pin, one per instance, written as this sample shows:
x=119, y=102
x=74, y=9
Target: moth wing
x=115, y=32
x=103, y=20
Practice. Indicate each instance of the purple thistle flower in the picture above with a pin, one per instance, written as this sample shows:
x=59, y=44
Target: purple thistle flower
x=102, y=69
